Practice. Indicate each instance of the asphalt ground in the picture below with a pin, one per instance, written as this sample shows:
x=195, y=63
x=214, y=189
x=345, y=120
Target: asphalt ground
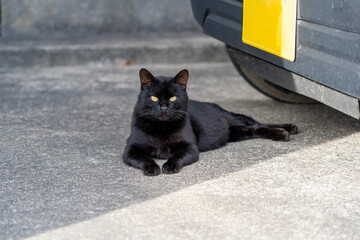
x=63, y=130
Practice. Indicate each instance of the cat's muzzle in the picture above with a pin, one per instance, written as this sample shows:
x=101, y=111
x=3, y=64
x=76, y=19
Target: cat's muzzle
x=164, y=108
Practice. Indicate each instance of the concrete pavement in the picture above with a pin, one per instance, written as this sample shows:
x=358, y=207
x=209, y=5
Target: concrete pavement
x=116, y=49
x=63, y=129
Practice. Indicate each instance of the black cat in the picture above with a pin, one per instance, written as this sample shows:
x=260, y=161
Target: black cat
x=166, y=125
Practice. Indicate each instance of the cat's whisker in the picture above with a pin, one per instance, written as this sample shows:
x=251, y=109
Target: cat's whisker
x=179, y=114
x=181, y=111
x=143, y=115
x=148, y=112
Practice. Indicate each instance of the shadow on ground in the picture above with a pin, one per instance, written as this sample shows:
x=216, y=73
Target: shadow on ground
x=62, y=132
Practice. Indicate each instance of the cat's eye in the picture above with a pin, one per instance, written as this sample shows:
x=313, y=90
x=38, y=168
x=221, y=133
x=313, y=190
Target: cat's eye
x=172, y=99
x=154, y=99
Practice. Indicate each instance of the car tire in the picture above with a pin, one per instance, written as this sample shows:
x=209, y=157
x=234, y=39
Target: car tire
x=269, y=89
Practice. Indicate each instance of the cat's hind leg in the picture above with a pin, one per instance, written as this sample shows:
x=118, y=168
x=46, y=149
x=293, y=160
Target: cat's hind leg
x=238, y=133
x=291, y=128
x=276, y=134
x=237, y=119
x=243, y=127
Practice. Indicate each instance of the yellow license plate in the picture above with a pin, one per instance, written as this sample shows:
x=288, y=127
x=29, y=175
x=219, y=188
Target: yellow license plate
x=271, y=26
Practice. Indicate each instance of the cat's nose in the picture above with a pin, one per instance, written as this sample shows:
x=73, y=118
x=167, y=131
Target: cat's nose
x=164, y=108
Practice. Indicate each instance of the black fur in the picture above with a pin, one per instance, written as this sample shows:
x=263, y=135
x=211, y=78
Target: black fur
x=178, y=130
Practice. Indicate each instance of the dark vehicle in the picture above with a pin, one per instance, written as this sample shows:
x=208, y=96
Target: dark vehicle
x=294, y=51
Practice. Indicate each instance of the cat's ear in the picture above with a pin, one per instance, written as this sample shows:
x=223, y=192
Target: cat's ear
x=182, y=78
x=145, y=78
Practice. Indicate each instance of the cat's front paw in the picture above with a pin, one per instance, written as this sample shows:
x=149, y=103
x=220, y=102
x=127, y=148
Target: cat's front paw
x=170, y=168
x=151, y=169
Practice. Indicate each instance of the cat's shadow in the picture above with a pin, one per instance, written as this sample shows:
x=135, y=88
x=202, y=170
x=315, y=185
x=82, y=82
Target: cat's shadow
x=317, y=124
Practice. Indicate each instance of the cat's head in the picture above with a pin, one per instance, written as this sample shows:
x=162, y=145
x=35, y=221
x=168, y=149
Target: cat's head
x=162, y=98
